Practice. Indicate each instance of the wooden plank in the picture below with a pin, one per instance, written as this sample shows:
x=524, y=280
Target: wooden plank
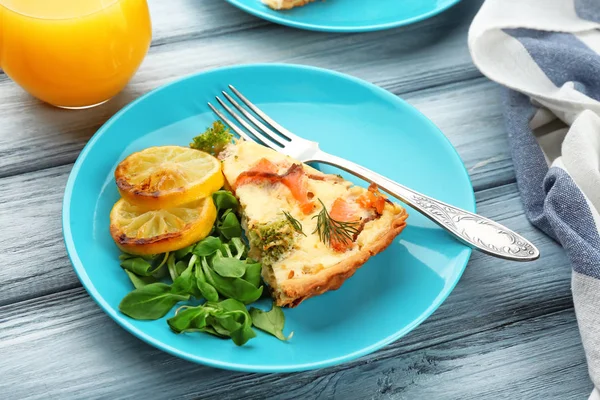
x=434, y=52
x=539, y=357
x=470, y=115
x=180, y=20
x=35, y=258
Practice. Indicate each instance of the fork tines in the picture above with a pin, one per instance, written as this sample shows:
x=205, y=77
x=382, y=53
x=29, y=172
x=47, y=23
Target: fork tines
x=275, y=136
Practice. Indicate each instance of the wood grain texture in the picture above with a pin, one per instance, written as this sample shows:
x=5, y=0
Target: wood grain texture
x=537, y=358
x=470, y=115
x=431, y=53
x=181, y=20
x=32, y=246
x=507, y=330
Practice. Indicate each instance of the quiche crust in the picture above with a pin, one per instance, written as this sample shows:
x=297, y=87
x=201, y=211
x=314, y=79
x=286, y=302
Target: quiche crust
x=285, y=4
x=294, y=291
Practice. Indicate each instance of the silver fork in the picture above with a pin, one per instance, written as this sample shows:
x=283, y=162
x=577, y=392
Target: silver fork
x=474, y=230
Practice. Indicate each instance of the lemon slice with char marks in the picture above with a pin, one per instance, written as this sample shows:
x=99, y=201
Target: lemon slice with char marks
x=144, y=232
x=168, y=176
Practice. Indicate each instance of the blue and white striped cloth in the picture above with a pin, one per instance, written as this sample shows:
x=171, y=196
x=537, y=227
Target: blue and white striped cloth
x=547, y=53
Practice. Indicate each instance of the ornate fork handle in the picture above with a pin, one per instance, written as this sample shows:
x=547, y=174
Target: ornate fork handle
x=474, y=230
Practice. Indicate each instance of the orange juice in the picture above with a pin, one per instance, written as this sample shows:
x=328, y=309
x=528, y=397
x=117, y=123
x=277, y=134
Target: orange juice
x=73, y=53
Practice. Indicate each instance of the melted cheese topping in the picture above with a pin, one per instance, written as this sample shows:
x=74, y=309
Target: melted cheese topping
x=264, y=203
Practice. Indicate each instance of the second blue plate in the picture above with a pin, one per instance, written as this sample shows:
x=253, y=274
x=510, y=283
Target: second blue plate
x=349, y=15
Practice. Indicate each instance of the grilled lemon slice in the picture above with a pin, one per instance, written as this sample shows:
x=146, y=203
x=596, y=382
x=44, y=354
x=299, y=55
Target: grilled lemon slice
x=168, y=176
x=139, y=231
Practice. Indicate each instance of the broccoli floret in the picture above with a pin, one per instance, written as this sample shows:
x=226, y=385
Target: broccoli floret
x=214, y=140
x=271, y=241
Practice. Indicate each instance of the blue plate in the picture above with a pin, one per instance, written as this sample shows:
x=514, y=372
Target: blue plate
x=387, y=298
x=349, y=15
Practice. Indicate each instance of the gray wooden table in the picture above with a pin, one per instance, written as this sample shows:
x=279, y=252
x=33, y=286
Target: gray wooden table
x=507, y=331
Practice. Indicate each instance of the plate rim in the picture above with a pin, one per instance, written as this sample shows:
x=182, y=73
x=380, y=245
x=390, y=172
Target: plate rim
x=343, y=29
x=124, y=323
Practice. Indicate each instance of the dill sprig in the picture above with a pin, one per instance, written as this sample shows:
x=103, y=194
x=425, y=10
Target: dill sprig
x=331, y=230
x=294, y=222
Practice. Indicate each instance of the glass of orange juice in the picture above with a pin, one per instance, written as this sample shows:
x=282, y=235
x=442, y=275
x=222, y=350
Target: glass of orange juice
x=73, y=53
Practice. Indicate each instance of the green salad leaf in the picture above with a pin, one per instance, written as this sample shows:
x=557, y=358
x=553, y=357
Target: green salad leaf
x=225, y=200
x=186, y=282
x=270, y=321
x=207, y=246
x=140, y=281
x=179, y=254
x=206, y=289
x=171, y=267
x=150, y=302
x=228, y=267
x=252, y=274
x=138, y=266
x=229, y=225
x=180, y=266
x=143, y=266
x=235, y=288
x=228, y=318
x=239, y=247
x=189, y=319
x=215, y=269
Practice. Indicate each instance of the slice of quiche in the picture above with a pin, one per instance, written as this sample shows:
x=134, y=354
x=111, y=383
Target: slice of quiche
x=310, y=230
x=285, y=4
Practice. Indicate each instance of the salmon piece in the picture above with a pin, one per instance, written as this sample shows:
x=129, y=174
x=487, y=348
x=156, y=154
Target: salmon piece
x=264, y=170
x=294, y=179
x=342, y=211
x=264, y=165
x=372, y=199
